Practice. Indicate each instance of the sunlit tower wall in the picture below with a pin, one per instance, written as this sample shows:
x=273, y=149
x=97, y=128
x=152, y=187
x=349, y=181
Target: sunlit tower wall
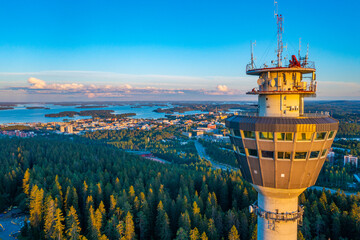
x=280, y=148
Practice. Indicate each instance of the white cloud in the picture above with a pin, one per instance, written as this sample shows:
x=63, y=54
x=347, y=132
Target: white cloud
x=36, y=83
x=38, y=86
x=222, y=88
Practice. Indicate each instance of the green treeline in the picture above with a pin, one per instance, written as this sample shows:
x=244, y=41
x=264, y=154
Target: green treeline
x=76, y=188
x=349, y=130
x=336, y=176
x=330, y=216
x=77, y=191
x=220, y=152
x=164, y=143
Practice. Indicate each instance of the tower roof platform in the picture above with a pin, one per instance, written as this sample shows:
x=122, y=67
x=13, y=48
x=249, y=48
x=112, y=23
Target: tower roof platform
x=308, y=67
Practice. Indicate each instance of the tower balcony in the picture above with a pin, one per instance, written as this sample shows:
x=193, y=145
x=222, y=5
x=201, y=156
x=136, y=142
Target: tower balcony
x=305, y=67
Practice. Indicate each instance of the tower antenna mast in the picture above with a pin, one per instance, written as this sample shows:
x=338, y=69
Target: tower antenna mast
x=280, y=30
x=252, y=53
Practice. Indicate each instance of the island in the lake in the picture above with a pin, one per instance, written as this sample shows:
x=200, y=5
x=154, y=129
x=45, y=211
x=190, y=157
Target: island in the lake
x=86, y=106
x=6, y=108
x=206, y=107
x=32, y=108
x=92, y=113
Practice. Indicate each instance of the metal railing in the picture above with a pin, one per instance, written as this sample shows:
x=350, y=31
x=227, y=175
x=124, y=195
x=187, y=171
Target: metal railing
x=303, y=64
x=309, y=115
x=278, y=216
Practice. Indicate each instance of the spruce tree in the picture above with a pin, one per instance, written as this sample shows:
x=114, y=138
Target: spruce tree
x=26, y=182
x=181, y=234
x=49, y=224
x=59, y=225
x=35, y=206
x=194, y=234
x=162, y=223
x=72, y=224
x=233, y=234
x=129, y=227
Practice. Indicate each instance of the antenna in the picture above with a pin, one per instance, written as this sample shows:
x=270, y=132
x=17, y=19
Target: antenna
x=280, y=30
x=252, y=44
x=299, y=48
x=307, y=54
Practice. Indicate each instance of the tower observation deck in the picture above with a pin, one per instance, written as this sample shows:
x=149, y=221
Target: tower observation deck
x=280, y=148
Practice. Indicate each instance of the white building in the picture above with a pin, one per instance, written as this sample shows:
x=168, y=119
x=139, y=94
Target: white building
x=69, y=129
x=331, y=156
x=351, y=159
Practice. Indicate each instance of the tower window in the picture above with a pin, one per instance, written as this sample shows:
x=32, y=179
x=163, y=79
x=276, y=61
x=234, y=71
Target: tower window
x=300, y=155
x=237, y=133
x=249, y=134
x=267, y=154
x=240, y=150
x=314, y=154
x=284, y=155
x=284, y=136
x=252, y=152
x=320, y=136
x=323, y=152
x=304, y=136
x=266, y=135
x=331, y=134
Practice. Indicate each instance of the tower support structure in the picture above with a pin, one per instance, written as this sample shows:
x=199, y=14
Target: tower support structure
x=280, y=148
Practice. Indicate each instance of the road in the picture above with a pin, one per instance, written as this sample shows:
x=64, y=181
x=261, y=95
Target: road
x=202, y=153
x=333, y=191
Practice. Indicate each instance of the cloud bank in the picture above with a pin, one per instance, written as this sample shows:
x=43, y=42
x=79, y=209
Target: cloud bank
x=124, y=91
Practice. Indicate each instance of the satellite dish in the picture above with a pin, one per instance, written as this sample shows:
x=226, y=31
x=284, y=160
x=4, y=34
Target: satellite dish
x=272, y=83
x=260, y=81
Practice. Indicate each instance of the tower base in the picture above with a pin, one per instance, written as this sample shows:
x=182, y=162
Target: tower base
x=278, y=213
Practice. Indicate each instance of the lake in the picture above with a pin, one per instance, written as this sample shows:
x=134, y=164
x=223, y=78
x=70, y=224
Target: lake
x=22, y=115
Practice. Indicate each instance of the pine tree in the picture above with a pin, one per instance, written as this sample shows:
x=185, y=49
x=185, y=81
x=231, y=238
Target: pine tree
x=59, y=226
x=233, y=234
x=204, y=236
x=93, y=231
x=120, y=229
x=194, y=234
x=35, y=206
x=57, y=190
x=98, y=220
x=212, y=230
x=129, y=227
x=181, y=234
x=73, y=224
x=143, y=224
x=196, y=214
x=112, y=204
x=26, y=182
x=49, y=225
x=184, y=221
x=162, y=224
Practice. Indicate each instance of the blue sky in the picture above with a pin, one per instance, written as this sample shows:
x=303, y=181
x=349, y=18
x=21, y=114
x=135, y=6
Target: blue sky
x=63, y=50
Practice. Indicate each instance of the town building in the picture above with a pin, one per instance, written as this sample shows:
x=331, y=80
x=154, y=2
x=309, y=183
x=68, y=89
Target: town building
x=351, y=159
x=331, y=156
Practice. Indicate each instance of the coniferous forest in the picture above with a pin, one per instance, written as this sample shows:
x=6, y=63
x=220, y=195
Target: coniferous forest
x=76, y=188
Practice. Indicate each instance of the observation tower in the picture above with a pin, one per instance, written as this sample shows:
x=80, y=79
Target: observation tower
x=280, y=148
